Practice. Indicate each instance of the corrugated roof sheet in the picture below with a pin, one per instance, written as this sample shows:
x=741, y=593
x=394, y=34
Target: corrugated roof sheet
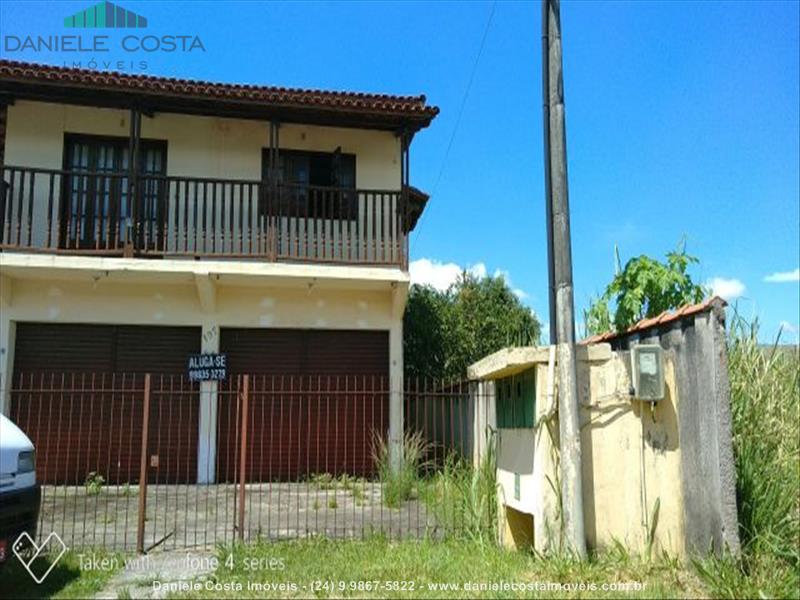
x=665, y=318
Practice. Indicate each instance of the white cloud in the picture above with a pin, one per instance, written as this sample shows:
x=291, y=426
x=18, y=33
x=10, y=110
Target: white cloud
x=441, y=276
x=477, y=270
x=518, y=292
x=729, y=289
x=783, y=276
x=790, y=332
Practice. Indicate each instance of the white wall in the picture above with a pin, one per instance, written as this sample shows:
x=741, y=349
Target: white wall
x=104, y=297
x=631, y=461
x=196, y=146
x=110, y=301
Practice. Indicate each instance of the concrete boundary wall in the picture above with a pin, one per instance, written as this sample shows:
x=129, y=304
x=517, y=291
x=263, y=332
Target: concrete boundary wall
x=674, y=457
x=708, y=473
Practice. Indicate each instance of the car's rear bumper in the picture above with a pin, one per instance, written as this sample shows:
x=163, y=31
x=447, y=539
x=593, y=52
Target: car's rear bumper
x=19, y=511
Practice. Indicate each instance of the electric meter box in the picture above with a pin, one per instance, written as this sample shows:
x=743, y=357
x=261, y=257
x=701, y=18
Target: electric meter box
x=648, y=372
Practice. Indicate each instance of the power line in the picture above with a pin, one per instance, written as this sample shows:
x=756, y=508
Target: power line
x=460, y=114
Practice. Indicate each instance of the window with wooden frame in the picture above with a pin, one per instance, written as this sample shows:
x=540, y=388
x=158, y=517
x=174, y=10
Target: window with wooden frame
x=315, y=185
x=95, y=208
x=515, y=401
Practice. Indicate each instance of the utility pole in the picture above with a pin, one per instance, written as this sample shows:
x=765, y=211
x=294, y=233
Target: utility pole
x=559, y=255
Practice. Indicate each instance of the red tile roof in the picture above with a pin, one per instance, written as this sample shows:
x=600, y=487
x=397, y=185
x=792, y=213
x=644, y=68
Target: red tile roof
x=664, y=318
x=411, y=107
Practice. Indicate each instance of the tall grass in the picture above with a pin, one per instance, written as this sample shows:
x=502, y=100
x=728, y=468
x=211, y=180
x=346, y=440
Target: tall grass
x=463, y=498
x=400, y=481
x=765, y=404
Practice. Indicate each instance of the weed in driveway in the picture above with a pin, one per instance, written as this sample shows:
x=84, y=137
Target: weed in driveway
x=323, y=481
x=94, y=483
x=400, y=481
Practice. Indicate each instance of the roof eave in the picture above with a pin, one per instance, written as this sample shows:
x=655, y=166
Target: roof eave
x=165, y=101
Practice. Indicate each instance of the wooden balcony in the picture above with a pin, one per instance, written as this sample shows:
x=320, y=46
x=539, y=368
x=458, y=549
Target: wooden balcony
x=156, y=216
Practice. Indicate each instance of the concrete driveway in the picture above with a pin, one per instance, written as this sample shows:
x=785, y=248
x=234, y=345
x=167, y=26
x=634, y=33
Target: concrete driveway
x=188, y=516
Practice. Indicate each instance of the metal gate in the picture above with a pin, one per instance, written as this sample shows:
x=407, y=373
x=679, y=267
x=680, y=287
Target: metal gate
x=123, y=476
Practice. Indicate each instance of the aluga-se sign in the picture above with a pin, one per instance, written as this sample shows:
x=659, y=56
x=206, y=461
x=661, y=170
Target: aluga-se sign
x=208, y=367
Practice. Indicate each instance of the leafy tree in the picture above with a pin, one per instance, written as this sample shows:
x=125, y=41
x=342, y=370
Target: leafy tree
x=645, y=288
x=424, y=332
x=445, y=332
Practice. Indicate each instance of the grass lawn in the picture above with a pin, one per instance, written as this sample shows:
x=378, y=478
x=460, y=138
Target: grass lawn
x=414, y=569
x=66, y=580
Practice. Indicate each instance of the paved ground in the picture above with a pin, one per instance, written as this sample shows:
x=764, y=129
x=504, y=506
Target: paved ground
x=186, y=516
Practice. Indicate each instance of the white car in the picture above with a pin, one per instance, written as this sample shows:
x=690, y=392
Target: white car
x=20, y=495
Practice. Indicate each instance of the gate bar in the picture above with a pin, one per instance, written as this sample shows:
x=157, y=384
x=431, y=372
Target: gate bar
x=243, y=453
x=143, y=467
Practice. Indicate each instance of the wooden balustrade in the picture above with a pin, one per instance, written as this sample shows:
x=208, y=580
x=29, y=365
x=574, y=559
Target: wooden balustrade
x=156, y=216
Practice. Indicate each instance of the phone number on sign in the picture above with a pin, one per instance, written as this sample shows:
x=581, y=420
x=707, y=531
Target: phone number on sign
x=330, y=586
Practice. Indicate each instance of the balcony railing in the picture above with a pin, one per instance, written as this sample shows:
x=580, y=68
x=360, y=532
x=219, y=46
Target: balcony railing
x=57, y=211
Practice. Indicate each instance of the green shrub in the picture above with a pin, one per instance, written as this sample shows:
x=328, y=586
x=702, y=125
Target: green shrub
x=402, y=483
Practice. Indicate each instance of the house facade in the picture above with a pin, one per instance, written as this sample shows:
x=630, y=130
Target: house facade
x=144, y=220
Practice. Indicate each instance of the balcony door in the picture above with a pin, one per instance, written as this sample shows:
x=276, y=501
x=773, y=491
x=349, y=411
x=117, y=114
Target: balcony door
x=96, y=212
x=314, y=185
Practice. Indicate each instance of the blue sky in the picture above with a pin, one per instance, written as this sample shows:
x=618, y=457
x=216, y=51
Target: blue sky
x=682, y=120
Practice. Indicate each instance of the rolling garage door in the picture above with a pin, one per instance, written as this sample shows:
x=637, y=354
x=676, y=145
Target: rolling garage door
x=317, y=398
x=78, y=392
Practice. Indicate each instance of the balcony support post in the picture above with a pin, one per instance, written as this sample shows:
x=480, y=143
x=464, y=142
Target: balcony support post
x=272, y=210
x=3, y=122
x=132, y=227
x=403, y=208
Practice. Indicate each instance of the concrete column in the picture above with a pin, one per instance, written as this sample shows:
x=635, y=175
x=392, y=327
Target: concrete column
x=7, y=337
x=399, y=296
x=546, y=511
x=207, y=434
x=484, y=418
x=396, y=395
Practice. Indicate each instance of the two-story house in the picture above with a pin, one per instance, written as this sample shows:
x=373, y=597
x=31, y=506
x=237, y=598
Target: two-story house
x=146, y=219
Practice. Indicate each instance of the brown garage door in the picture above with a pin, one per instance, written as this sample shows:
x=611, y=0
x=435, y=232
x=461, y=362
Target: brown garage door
x=78, y=392
x=317, y=398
